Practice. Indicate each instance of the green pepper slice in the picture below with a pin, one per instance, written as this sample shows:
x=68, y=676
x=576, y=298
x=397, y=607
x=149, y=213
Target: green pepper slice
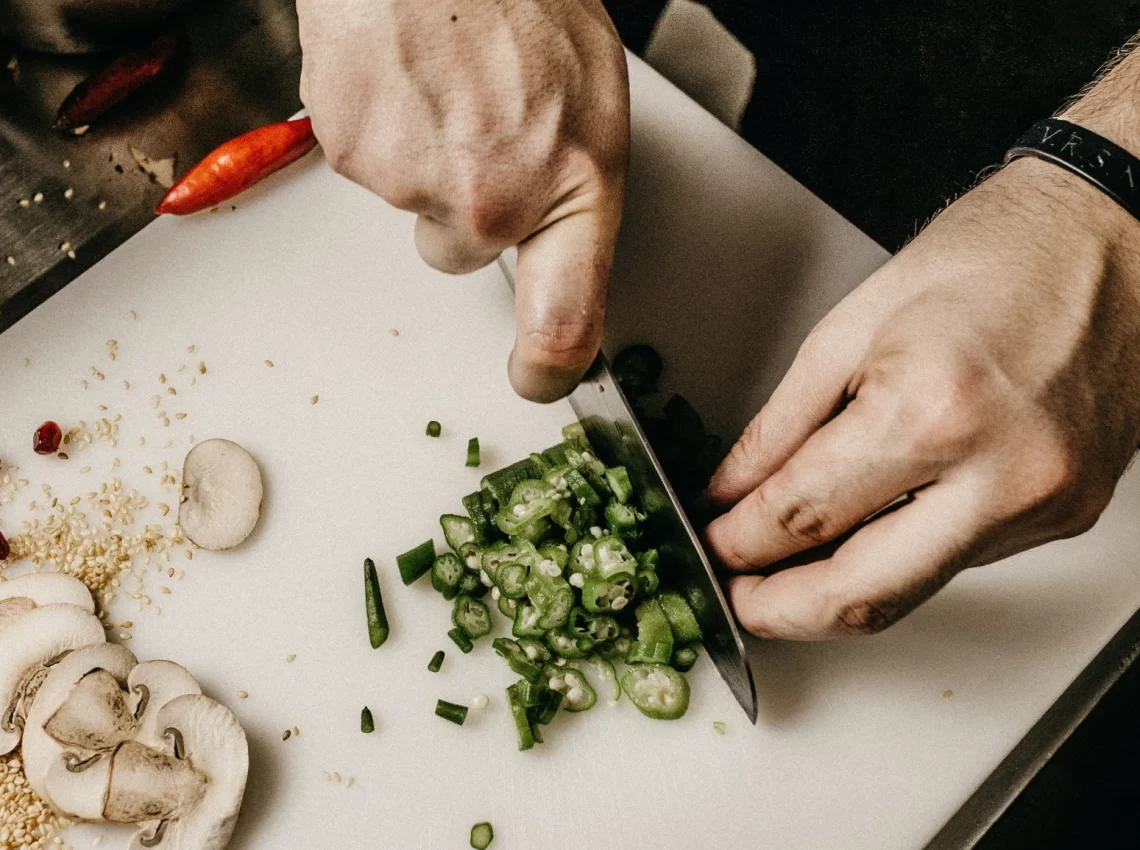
x=577, y=693
x=608, y=595
x=657, y=690
x=472, y=616
x=458, y=530
x=446, y=574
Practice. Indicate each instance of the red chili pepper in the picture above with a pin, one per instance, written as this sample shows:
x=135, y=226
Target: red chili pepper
x=115, y=83
x=238, y=164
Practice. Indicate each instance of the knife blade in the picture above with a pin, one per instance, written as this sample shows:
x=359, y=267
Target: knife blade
x=613, y=429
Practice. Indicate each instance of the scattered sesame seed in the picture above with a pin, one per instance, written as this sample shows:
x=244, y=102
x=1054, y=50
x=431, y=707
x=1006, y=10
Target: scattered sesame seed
x=148, y=470
x=296, y=731
x=286, y=734
x=11, y=260
x=290, y=658
x=243, y=694
x=164, y=590
x=124, y=635
x=201, y=368
x=67, y=163
x=190, y=349
x=126, y=624
x=65, y=246
x=62, y=455
x=314, y=399
x=103, y=206
x=179, y=415
x=24, y=202
x=189, y=555
x=85, y=470
x=326, y=776
x=336, y=777
x=348, y=782
x=69, y=193
x=161, y=378
x=38, y=197
x=947, y=694
x=71, y=256
x=269, y=363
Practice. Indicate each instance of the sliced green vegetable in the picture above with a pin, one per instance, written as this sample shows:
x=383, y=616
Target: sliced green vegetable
x=657, y=690
x=416, y=562
x=367, y=726
x=457, y=714
x=681, y=618
x=501, y=483
x=483, y=522
x=508, y=607
x=608, y=595
x=472, y=616
x=374, y=606
x=612, y=557
x=624, y=520
x=580, y=487
x=520, y=717
x=447, y=573
x=473, y=452
x=436, y=661
x=646, y=582
x=720, y=727
x=434, y=429
x=526, y=622
x=566, y=645
x=511, y=578
x=470, y=585
x=597, y=627
x=516, y=659
x=618, y=479
x=608, y=675
x=575, y=434
x=482, y=834
x=684, y=657
x=458, y=531
x=654, y=642
x=577, y=693
x=461, y=640
x=535, y=650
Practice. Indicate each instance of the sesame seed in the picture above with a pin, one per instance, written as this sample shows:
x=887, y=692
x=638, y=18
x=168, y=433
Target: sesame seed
x=85, y=470
x=124, y=635
x=394, y=332
x=67, y=163
x=190, y=349
x=326, y=776
x=11, y=260
x=65, y=246
x=314, y=399
x=24, y=202
x=285, y=735
x=269, y=363
x=243, y=694
x=348, y=783
x=947, y=694
x=69, y=193
x=179, y=415
x=103, y=206
x=296, y=731
x=189, y=555
x=38, y=197
x=62, y=455
x=290, y=658
x=126, y=385
x=201, y=368
x=336, y=777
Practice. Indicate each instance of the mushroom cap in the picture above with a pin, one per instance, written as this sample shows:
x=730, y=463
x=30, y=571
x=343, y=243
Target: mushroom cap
x=79, y=796
x=29, y=641
x=43, y=755
x=213, y=742
x=221, y=494
x=152, y=685
x=46, y=589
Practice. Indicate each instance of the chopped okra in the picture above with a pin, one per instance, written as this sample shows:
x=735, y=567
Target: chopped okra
x=482, y=834
x=434, y=429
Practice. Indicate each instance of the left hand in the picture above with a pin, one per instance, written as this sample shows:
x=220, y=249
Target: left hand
x=991, y=369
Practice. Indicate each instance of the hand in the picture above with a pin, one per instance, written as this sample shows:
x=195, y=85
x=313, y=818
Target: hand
x=991, y=369
x=499, y=122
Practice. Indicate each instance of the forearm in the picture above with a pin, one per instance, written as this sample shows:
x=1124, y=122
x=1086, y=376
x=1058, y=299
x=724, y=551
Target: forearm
x=1111, y=105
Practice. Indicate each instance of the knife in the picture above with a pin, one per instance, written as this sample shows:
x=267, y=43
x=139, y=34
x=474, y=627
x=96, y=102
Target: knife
x=612, y=427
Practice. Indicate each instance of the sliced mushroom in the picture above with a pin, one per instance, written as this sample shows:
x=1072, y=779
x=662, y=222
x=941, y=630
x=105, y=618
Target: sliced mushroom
x=28, y=642
x=94, y=716
x=152, y=685
x=44, y=589
x=207, y=736
x=55, y=770
x=221, y=494
x=149, y=785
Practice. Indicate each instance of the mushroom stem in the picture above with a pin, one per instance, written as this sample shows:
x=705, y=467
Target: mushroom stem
x=94, y=716
x=147, y=785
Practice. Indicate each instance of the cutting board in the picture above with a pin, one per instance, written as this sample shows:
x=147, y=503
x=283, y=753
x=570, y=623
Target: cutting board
x=725, y=264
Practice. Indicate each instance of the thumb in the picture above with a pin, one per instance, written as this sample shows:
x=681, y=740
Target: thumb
x=560, y=301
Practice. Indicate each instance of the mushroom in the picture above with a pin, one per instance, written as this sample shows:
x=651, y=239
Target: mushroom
x=72, y=773
x=30, y=643
x=221, y=494
x=152, y=685
x=204, y=769
x=36, y=589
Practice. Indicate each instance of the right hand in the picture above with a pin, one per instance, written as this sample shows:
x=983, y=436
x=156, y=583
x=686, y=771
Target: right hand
x=499, y=123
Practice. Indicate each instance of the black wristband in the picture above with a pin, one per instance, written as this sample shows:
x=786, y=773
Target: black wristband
x=1107, y=166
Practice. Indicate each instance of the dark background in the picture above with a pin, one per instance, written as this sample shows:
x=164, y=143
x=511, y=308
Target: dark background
x=887, y=109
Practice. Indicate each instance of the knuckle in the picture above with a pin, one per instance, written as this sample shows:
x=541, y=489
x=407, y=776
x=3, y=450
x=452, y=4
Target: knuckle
x=800, y=517
x=945, y=416
x=870, y=616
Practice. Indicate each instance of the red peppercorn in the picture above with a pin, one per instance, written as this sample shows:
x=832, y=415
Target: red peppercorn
x=46, y=439
x=4, y=549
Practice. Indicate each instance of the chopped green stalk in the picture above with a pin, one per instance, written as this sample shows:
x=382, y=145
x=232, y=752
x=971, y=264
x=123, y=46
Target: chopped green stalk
x=461, y=640
x=501, y=483
x=447, y=573
x=434, y=429
x=556, y=455
x=367, y=726
x=483, y=522
x=519, y=715
x=607, y=595
x=544, y=712
x=436, y=661
x=649, y=560
x=473, y=451
x=374, y=606
x=482, y=834
x=624, y=520
x=458, y=531
x=550, y=594
x=576, y=434
x=646, y=582
x=540, y=460
x=591, y=468
x=720, y=727
x=597, y=627
x=657, y=690
x=612, y=557
x=472, y=616
x=681, y=618
x=618, y=479
x=531, y=500
x=617, y=649
x=608, y=675
x=580, y=487
x=416, y=562
x=508, y=607
x=457, y=714
x=557, y=553
x=577, y=693
x=516, y=659
x=654, y=635
x=684, y=658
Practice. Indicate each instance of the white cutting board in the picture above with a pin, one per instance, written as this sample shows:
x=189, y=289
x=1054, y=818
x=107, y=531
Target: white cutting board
x=725, y=264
